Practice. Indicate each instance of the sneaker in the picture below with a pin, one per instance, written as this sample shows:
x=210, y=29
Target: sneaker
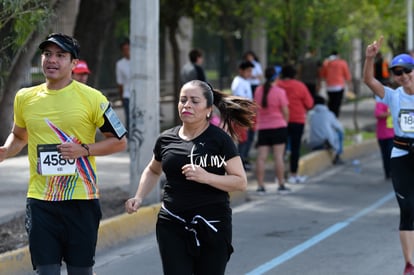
x=261, y=190
x=297, y=179
x=282, y=189
x=337, y=160
x=409, y=269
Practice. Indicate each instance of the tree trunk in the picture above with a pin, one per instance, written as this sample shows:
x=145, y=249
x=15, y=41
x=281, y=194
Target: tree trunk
x=19, y=69
x=172, y=30
x=101, y=25
x=231, y=50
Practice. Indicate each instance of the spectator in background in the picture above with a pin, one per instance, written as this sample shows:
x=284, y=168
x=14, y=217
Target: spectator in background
x=271, y=126
x=257, y=72
x=336, y=74
x=326, y=131
x=193, y=70
x=123, y=78
x=241, y=87
x=381, y=69
x=81, y=72
x=385, y=135
x=309, y=71
x=300, y=101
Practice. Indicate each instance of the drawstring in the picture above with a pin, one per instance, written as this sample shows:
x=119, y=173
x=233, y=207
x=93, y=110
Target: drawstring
x=195, y=221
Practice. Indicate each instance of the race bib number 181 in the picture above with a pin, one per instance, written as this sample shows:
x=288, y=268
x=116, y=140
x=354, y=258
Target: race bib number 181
x=407, y=120
x=51, y=163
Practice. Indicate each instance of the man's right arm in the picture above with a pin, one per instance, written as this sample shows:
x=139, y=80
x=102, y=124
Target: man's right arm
x=14, y=143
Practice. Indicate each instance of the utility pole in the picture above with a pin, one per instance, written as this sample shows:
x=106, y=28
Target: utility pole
x=409, y=25
x=145, y=90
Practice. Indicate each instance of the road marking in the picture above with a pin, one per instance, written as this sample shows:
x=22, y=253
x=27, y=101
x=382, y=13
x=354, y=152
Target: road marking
x=318, y=238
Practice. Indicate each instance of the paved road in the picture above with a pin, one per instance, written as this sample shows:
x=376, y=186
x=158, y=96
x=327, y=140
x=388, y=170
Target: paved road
x=271, y=225
x=343, y=221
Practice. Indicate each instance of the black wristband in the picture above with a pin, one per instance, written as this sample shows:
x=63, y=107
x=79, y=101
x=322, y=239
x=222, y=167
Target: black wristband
x=86, y=147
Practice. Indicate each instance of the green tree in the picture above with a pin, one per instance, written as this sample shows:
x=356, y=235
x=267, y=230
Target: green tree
x=98, y=34
x=294, y=25
x=23, y=24
x=229, y=20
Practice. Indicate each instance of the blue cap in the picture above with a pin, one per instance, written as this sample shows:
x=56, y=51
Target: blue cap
x=402, y=60
x=278, y=69
x=275, y=71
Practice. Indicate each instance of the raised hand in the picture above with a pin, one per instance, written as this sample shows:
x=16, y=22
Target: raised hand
x=373, y=49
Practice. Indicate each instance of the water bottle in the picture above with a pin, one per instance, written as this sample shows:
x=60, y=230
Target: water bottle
x=357, y=166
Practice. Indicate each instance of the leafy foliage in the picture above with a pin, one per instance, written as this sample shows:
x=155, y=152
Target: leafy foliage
x=23, y=16
x=18, y=18
x=295, y=25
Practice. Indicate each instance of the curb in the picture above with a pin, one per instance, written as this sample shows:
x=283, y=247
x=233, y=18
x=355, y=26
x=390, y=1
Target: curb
x=124, y=227
x=317, y=161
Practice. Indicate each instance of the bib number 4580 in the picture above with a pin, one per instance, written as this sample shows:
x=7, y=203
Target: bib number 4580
x=52, y=163
x=56, y=159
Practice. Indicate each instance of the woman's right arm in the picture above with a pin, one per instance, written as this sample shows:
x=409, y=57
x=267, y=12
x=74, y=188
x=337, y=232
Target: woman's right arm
x=368, y=71
x=149, y=179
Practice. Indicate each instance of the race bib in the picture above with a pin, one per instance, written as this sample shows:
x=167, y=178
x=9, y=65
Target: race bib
x=406, y=120
x=51, y=163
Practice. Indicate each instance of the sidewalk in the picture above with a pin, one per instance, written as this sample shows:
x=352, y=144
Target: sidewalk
x=14, y=175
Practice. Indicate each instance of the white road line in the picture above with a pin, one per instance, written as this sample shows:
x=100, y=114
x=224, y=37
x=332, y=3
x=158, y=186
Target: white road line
x=318, y=238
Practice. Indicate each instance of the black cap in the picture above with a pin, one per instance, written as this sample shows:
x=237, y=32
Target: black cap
x=243, y=65
x=319, y=100
x=63, y=41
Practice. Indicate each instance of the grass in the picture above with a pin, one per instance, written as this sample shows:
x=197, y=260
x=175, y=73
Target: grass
x=212, y=75
x=350, y=136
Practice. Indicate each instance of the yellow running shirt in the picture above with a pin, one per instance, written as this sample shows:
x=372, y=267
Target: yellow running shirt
x=71, y=114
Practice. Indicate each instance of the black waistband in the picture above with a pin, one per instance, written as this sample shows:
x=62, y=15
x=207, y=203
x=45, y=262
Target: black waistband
x=404, y=143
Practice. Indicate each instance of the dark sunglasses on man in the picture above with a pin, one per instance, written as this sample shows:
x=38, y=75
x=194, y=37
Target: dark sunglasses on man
x=399, y=72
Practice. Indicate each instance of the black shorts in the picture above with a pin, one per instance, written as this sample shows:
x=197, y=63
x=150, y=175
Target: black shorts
x=63, y=230
x=270, y=137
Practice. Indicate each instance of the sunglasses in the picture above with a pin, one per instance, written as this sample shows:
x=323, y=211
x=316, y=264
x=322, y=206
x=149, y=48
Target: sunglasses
x=400, y=72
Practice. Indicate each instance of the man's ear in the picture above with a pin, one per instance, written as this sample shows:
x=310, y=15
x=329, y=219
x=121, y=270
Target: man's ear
x=74, y=62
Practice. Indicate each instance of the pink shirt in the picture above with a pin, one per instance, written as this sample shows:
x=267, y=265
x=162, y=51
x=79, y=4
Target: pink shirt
x=385, y=129
x=270, y=117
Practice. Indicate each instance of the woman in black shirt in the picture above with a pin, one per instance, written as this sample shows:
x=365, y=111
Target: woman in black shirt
x=201, y=164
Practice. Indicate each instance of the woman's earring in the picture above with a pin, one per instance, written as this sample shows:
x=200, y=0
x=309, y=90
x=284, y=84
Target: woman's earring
x=208, y=116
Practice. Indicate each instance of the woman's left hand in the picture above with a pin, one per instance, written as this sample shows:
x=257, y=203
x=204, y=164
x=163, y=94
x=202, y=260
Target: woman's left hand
x=195, y=173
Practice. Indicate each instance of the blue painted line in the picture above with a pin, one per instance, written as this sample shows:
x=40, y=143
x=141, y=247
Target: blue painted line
x=317, y=238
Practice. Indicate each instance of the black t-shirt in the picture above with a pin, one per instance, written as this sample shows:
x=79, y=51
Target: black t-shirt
x=209, y=150
x=200, y=72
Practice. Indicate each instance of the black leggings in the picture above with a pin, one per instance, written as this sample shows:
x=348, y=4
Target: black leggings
x=178, y=256
x=295, y=132
x=54, y=269
x=403, y=182
x=335, y=101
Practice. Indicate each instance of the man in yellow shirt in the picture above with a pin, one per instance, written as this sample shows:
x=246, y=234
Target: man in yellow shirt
x=58, y=121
